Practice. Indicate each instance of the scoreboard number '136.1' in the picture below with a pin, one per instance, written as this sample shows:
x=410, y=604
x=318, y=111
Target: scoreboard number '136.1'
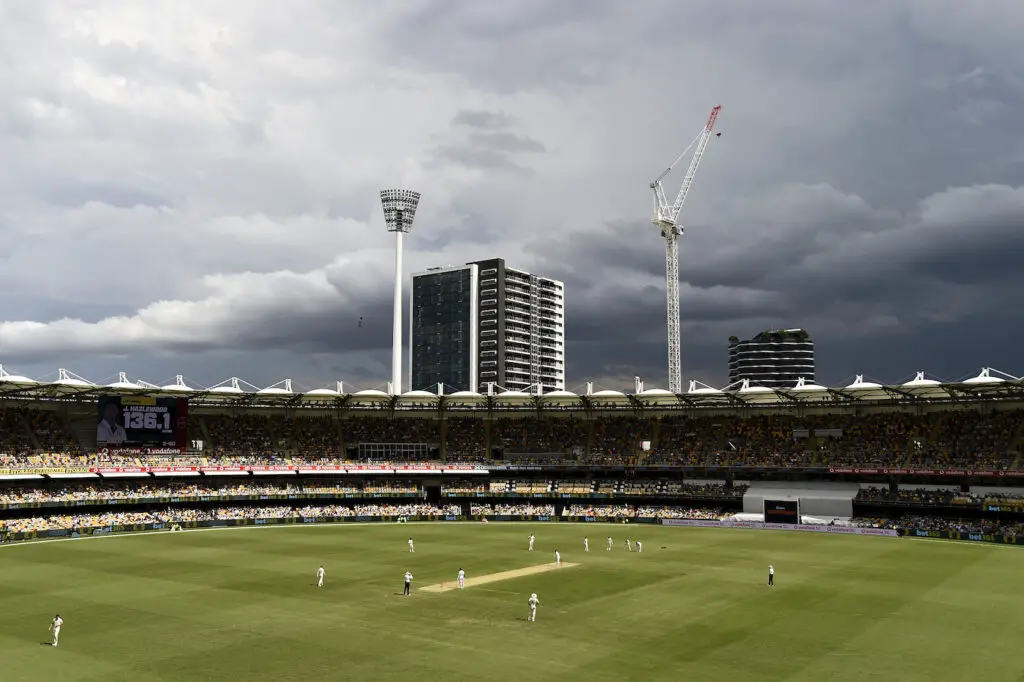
x=149, y=421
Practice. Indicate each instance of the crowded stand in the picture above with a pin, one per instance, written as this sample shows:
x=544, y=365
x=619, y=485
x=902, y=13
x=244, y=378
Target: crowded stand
x=556, y=437
x=36, y=524
x=512, y=509
x=918, y=522
x=465, y=439
x=964, y=439
x=939, y=446
x=941, y=497
x=113, y=492
x=639, y=512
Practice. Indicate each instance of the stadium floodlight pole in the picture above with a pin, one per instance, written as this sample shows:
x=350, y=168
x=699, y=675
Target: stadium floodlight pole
x=399, y=211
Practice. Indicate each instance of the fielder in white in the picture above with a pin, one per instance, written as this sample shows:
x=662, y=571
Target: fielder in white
x=533, y=607
x=412, y=547
x=586, y=545
x=608, y=545
x=629, y=545
x=55, y=625
x=462, y=579
x=558, y=558
x=320, y=577
x=639, y=546
x=531, y=541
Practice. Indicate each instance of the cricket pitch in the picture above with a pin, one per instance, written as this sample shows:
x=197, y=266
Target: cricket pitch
x=495, y=577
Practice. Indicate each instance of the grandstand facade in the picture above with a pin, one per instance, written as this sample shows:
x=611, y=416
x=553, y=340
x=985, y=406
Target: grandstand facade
x=942, y=460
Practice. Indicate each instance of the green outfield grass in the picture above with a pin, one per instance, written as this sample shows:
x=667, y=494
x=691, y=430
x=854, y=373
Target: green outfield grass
x=241, y=605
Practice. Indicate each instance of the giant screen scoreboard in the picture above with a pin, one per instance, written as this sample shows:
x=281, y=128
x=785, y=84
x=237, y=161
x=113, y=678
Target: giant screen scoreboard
x=142, y=423
x=782, y=511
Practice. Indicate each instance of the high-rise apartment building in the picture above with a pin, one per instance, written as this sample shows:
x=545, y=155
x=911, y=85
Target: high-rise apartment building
x=775, y=359
x=485, y=322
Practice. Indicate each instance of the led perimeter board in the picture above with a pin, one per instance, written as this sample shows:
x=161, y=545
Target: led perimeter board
x=782, y=511
x=142, y=422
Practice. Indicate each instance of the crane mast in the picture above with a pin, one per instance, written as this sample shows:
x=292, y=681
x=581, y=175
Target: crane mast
x=666, y=219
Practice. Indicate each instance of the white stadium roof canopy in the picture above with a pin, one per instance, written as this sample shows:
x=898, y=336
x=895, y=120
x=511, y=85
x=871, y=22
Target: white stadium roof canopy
x=988, y=383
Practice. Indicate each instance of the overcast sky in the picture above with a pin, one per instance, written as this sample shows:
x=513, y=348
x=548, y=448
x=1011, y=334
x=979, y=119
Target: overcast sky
x=191, y=187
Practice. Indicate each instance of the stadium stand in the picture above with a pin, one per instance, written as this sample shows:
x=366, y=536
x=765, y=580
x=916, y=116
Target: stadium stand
x=924, y=465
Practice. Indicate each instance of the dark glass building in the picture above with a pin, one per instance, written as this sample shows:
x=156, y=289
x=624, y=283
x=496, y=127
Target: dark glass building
x=485, y=323
x=775, y=359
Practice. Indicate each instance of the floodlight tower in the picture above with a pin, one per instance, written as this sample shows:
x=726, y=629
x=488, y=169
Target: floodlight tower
x=666, y=218
x=399, y=212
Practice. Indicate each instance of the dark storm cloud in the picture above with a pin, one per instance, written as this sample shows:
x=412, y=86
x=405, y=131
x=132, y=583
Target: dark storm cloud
x=866, y=186
x=862, y=273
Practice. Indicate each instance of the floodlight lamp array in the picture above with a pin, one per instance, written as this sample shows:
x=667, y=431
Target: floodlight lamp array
x=399, y=208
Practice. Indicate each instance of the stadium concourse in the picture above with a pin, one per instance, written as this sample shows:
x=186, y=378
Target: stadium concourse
x=923, y=458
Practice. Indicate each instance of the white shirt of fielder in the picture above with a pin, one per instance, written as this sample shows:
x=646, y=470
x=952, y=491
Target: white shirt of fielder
x=320, y=577
x=608, y=545
x=586, y=545
x=107, y=434
x=462, y=579
x=412, y=547
x=533, y=607
x=55, y=625
x=531, y=543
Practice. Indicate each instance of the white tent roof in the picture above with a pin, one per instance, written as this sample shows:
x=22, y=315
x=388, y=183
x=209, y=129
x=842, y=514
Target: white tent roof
x=560, y=396
x=984, y=377
x=123, y=383
x=697, y=388
x=465, y=395
x=607, y=393
x=280, y=388
x=802, y=385
x=6, y=378
x=860, y=385
x=230, y=387
x=372, y=393
x=989, y=383
x=179, y=386
x=420, y=395
x=920, y=380
x=66, y=378
x=513, y=395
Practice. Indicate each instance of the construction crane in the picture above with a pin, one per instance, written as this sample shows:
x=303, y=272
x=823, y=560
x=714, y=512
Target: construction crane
x=666, y=218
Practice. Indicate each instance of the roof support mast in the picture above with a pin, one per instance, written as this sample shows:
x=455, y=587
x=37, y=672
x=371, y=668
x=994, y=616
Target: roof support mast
x=666, y=218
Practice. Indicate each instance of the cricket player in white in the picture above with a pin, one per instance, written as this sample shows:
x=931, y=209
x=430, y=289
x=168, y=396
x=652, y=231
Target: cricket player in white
x=462, y=579
x=639, y=546
x=408, y=583
x=55, y=628
x=771, y=578
x=533, y=607
x=320, y=577
x=629, y=545
x=608, y=545
x=531, y=542
x=586, y=545
x=412, y=547
x=558, y=558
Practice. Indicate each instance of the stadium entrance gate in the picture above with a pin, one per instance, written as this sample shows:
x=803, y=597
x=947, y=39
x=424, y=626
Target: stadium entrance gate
x=815, y=499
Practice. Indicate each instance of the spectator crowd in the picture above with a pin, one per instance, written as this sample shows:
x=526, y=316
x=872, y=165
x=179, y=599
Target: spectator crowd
x=173, y=515
x=963, y=439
